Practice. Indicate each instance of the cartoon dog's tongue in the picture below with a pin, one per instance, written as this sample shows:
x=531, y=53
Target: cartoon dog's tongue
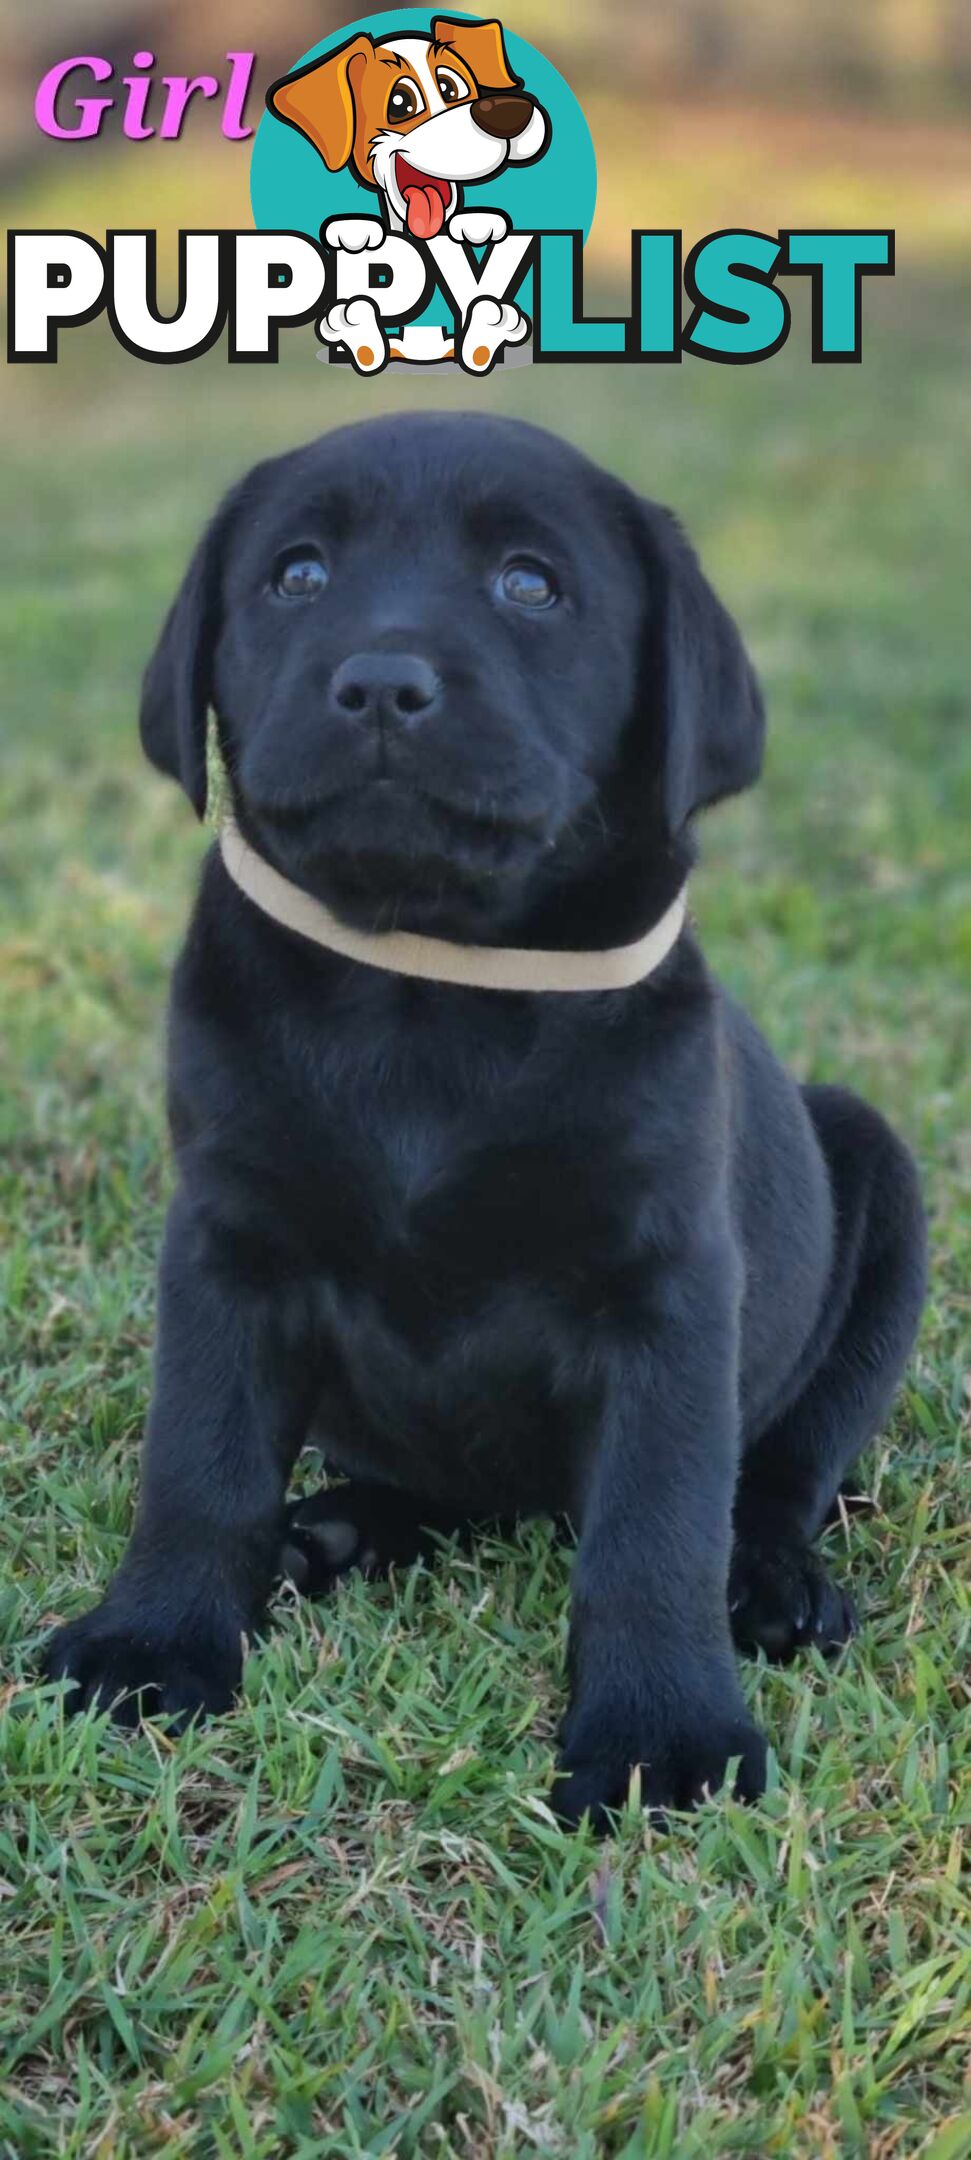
x=426, y=200
x=426, y=212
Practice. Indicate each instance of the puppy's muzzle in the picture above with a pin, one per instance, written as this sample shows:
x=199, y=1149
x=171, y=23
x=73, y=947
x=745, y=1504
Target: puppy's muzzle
x=504, y=113
x=385, y=688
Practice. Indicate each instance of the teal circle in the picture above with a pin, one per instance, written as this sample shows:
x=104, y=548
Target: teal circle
x=291, y=189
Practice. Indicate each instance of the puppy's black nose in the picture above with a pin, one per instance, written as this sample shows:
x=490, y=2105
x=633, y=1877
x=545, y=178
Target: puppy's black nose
x=504, y=113
x=385, y=686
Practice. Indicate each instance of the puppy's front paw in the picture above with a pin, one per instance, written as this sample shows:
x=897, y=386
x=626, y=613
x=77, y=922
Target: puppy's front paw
x=782, y=1599
x=679, y=1765
x=122, y=1662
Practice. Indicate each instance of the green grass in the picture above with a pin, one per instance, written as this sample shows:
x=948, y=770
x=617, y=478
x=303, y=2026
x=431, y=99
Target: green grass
x=343, y=1921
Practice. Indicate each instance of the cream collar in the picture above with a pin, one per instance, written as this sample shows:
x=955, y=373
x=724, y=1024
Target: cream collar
x=433, y=959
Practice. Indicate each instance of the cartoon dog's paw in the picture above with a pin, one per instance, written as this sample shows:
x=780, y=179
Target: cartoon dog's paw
x=353, y=234
x=489, y=325
x=478, y=227
x=356, y=324
x=782, y=1599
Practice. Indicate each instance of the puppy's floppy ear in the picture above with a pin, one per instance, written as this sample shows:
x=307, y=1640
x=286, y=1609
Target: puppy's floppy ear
x=318, y=100
x=177, y=682
x=480, y=45
x=708, y=701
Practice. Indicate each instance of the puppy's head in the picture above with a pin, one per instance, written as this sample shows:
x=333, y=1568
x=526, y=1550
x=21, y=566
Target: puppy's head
x=460, y=676
x=416, y=116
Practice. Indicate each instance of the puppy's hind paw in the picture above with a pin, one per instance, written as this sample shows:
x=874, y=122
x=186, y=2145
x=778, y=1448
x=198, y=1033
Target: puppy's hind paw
x=353, y=1528
x=782, y=1599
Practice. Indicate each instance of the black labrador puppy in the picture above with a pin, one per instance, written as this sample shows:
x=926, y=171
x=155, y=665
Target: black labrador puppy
x=584, y=1251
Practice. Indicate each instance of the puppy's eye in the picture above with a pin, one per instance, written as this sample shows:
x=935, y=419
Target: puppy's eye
x=527, y=584
x=405, y=101
x=450, y=86
x=300, y=576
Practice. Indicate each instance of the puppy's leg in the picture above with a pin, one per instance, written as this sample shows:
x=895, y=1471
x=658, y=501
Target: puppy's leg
x=653, y=1677
x=361, y=1526
x=229, y=1411
x=780, y=1594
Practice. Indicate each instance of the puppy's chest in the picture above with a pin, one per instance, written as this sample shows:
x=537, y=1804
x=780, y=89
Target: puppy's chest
x=446, y=1304
x=453, y=1205
x=425, y=1165
x=463, y=1245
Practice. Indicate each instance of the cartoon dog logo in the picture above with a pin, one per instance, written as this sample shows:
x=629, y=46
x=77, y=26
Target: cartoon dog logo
x=418, y=119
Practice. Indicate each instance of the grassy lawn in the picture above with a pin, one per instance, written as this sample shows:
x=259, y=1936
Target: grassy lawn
x=343, y=1920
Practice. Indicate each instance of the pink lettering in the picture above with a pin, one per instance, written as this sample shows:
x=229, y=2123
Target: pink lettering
x=180, y=90
x=237, y=90
x=91, y=109
x=138, y=89
x=87, y=112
